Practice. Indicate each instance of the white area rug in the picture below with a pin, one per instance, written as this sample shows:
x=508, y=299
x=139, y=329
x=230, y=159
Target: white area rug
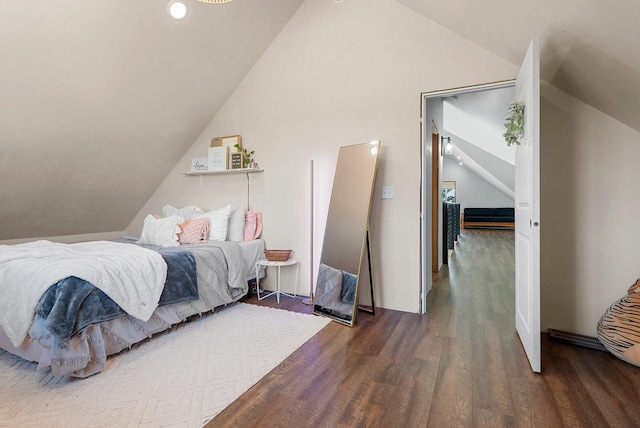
x=179, y=379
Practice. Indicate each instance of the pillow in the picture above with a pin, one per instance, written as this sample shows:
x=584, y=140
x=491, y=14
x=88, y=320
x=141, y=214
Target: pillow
x=252, y=225
x=187, y=213
x=618, y=329
x=162, y=232
x=219, y=223
x=236, y=225
x=194, y=231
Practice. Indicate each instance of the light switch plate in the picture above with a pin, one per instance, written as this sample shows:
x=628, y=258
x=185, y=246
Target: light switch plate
x=387, y=192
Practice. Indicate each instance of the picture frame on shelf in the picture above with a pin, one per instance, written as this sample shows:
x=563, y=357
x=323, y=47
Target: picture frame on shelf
x=218, y=159
x=235, y=160
x=229, y=141
x=199, y=164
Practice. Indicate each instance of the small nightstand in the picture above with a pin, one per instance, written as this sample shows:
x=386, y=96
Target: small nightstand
x=267, y=264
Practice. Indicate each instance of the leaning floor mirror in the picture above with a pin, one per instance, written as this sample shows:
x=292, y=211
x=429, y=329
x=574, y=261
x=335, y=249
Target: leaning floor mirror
x=346, y=237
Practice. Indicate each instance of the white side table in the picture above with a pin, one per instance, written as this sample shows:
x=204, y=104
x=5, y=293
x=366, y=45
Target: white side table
x=267, y=264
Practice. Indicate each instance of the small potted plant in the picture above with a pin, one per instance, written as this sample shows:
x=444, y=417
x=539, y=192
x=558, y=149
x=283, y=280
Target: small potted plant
x=247, y=156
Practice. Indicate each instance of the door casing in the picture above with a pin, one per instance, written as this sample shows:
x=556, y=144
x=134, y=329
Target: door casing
x=430, y=154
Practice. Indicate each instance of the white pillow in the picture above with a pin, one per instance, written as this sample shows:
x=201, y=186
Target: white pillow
x=219, y=223
x=162, y=232
x=187, y=213
x=236, y=225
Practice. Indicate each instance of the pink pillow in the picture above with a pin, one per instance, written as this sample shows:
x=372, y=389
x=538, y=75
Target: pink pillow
x=194, y=231
x=252, y=225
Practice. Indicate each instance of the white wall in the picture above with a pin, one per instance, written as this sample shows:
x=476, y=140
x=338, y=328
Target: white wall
x=352, y=72
x=471, y=189
x=589, y=212
x=338, y=74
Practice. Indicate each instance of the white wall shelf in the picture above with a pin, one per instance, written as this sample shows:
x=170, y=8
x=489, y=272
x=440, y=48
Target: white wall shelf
x=247, y=171
x=225, y=171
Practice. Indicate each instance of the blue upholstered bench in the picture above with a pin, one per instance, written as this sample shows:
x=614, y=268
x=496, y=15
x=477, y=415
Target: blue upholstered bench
x=488, y=217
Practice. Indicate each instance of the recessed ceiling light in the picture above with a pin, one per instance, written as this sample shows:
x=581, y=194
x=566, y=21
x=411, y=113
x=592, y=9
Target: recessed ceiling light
x=460, y=163
x=458, y=157
x=177, y=9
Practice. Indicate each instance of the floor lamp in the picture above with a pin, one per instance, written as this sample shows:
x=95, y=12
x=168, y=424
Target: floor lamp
x=309, y=300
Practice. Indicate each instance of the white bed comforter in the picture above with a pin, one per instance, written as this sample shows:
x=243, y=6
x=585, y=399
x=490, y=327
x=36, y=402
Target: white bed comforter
x=130, y=275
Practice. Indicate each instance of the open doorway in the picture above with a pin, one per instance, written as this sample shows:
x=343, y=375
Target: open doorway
x=526, y=191
x=462, y=142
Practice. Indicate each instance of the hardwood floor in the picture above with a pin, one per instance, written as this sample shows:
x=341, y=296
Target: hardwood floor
x=461, y=364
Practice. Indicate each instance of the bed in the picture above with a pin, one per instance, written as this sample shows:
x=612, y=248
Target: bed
x=79, y=346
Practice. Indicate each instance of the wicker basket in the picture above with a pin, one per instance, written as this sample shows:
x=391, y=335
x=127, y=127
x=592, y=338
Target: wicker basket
x=277, y=255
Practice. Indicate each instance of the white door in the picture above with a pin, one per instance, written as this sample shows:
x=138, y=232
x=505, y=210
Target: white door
x=527, y=209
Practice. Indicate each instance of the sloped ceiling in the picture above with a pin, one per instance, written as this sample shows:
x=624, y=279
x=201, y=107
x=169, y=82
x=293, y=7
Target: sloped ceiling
x=100, y=99
x=465, y=116
x=589, y=48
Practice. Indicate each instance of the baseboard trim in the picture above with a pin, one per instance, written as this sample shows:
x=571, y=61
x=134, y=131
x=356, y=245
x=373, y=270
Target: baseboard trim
x=576, y=339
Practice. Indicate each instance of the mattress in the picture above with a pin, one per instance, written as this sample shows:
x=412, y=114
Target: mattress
x=87, y=351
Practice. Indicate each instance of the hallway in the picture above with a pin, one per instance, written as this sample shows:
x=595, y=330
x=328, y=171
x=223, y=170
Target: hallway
x=473, y=302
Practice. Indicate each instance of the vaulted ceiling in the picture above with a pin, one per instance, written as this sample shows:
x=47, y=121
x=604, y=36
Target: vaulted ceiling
x=100, y=99
x=589, y=48
x=475, y=123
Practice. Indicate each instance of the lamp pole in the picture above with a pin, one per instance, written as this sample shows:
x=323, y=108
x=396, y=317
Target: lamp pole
x=309, y=300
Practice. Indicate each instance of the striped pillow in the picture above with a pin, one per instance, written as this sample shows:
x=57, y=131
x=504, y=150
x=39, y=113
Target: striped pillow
x=619, y=327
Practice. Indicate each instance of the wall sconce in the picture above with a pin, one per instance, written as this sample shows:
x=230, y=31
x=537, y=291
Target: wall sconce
x=447, y=148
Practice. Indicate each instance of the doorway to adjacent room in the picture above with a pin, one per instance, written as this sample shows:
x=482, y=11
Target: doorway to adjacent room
x=525, y=188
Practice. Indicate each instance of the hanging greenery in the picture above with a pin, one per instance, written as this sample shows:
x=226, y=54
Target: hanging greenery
x=514, y=123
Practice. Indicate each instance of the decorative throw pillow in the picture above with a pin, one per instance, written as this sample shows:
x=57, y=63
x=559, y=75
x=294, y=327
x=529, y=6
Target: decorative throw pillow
x=252, y=225
x=194, y=231
x=236, y=225
x=619, y=328
x=162, y=232
x=219, y=223
x=188, y=213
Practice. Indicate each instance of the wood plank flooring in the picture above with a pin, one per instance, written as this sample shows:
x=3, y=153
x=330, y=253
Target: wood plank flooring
x=461, y=364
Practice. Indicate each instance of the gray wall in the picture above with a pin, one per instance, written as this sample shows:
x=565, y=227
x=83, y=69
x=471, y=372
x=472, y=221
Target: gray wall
x=472, y=190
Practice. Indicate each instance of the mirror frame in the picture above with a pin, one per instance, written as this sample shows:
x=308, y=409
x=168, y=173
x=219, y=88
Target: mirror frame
x=448, y=185
x=364, y=246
